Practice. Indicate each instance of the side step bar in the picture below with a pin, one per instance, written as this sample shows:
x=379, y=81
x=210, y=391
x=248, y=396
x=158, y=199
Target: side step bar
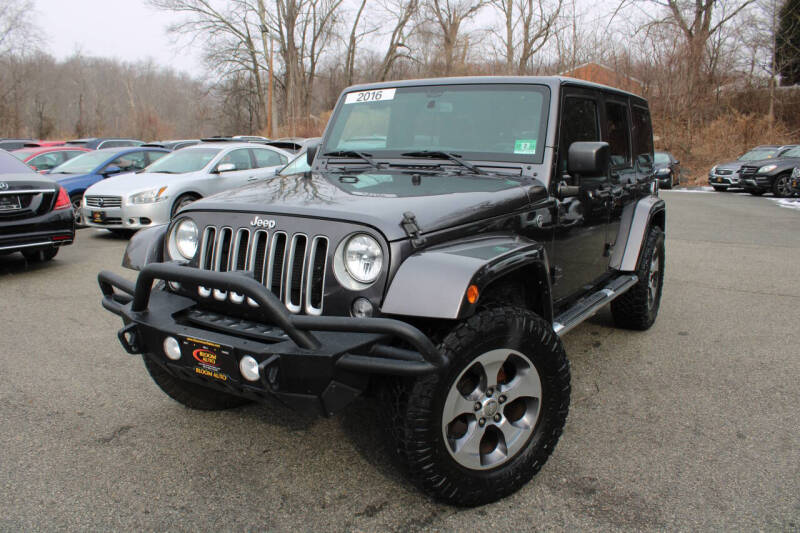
x=588, y=306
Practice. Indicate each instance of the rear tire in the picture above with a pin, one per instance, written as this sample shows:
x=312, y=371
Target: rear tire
x=638, y=308
x=524, y=397
x=41, y=255
x=190, y=394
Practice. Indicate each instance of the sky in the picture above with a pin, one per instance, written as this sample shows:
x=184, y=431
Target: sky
x=128, y=30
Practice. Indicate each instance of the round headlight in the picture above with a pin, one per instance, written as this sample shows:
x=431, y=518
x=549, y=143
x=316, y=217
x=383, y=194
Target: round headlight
x=363, y=258
x=184, y=239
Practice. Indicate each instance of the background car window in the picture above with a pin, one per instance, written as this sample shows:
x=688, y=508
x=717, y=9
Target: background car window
x=267, y=158
x=240, y=158
x=299, y=164
x=69, y=154
x=131, y=161
x=618, y=132
x=47, y=161
x=154, y=156
x=643, y=140
x=578, y=124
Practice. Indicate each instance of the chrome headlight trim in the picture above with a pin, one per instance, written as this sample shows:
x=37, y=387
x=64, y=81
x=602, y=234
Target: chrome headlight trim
x=344, y=275
x=184, y=240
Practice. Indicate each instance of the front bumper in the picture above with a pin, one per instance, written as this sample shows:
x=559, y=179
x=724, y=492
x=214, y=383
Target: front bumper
x=132, y=217
x=311, y=363
x=724, y=181
x=757, y=183
x=795, y=185
x=55, y=228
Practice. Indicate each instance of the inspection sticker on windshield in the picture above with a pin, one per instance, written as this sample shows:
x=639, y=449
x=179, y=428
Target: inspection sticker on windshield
x=525, y=146
x=378, y=95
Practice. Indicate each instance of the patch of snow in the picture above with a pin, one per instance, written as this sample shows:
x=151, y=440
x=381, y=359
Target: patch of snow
x=789, y=203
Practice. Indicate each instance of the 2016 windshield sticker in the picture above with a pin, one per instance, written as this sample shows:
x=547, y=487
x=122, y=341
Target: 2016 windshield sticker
x=525, y=146
x=363, y=97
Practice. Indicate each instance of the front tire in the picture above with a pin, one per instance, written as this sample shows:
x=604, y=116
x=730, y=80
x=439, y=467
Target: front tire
x=482, y=428
x=190, y=394
x=638, y=308
x=182, y=202
x=782, y=186
x=720, y=189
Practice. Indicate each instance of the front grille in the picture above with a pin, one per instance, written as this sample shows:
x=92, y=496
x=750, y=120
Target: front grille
x=103, y=201
x=291, y=266
x=724, y=172
x=109, y=221
x=746, y=172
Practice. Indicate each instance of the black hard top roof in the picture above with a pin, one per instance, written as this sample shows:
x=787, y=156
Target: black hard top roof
x=550, y=81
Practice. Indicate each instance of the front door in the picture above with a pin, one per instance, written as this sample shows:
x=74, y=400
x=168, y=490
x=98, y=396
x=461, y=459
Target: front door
x=580, y=254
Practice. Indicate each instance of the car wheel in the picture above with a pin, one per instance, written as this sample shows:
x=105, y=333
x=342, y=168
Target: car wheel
x=189, y=394
x=482, y=428
x=720, y=189
x=182, y=202
x=76, y=200
x=638, y=308
x=782, y=187
x=123, y=233
x=41, y=255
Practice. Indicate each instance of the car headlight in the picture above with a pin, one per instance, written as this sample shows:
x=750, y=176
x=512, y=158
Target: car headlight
x=148, y=197
x=713, y=169
x=183, y=240
x=796, y=172
x=767, y=168
x=663, y=171
x=363, y=258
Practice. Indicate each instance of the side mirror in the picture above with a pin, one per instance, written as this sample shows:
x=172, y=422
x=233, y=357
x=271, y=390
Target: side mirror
x=588, y=158
x=677, y=162
x=113, y=169
x=311, y=153
x=224, y=167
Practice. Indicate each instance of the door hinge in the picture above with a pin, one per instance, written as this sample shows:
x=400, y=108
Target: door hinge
x=412, y=229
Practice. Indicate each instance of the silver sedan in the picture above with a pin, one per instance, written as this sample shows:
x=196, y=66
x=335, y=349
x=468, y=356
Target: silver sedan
x=150, y=197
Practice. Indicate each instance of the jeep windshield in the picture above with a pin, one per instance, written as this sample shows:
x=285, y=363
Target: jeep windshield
x=482, y=122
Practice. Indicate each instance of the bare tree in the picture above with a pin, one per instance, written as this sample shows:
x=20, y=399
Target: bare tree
x=449, y=17
x=403, y=14
x=527, y=27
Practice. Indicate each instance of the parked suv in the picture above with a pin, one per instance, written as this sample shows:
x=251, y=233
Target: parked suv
x=771, y=175
x=726, y=176
x=440, y=269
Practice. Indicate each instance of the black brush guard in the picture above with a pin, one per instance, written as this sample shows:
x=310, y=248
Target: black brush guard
x=317, y=363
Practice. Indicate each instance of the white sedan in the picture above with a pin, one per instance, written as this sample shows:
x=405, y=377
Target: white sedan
x=152, y=196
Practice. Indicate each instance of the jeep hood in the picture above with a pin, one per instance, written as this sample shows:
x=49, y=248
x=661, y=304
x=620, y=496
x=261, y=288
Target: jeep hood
x=376, y=198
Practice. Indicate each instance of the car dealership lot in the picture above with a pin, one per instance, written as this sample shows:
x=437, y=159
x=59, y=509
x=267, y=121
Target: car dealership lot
x=693, y=424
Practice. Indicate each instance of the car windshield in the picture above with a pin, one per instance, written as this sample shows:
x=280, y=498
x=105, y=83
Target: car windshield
x=83, y=164
x=498, y=122
x=183, y=161
x=758, y=153
x=11, y=165
x=661, y=157
x=296, y=166
x=20, y=154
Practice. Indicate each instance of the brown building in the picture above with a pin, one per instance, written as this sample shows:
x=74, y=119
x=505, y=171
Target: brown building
x=604, y=75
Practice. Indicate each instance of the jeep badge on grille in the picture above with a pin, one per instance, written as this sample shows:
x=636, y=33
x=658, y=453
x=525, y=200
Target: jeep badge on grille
x=258, y=222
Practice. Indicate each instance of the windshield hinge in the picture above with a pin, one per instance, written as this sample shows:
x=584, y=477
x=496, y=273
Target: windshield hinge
x=411, y=228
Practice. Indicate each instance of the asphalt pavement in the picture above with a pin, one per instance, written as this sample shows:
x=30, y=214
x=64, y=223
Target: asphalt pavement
x=692, y=425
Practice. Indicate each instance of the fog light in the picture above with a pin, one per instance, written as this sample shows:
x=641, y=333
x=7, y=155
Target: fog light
x=248, y=366
x=172, y=348
x=362, y=308
x=174, y=285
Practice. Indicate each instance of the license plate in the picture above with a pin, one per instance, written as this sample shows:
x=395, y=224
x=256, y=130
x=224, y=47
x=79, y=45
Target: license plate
x=209, y=359
x=98, y=216
x=9, y=202
x=719, y=180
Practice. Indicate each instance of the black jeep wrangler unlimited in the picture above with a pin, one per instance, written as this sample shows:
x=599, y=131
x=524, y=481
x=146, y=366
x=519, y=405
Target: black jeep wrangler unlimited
x=448, y=233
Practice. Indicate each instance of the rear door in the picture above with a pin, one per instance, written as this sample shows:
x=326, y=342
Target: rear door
x=241, y=175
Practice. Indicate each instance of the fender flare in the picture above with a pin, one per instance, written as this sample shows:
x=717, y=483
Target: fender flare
x=636, y=220
x=433, y=283
x=145, y=247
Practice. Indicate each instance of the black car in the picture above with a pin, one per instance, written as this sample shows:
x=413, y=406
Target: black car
x=668, y=170
x=796, y=181
x=771, y=175
x=437, y=270
x=36, y=215
x=96, y=143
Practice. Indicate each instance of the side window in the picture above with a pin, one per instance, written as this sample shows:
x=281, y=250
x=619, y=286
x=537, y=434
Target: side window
x=130, y=162
x=240, y=158
x=46, y=161
x=267, y=158
x=299, y=164
x=578, y=123
x=69, y=154
x=643, y=139
x=618, y=132
x=155, y=156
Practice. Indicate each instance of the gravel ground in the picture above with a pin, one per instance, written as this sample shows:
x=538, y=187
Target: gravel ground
x=692, y=425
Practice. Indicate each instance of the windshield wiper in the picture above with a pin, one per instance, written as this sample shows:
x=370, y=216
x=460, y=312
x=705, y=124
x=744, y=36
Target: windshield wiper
x=432, y=154
x=352, y=153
